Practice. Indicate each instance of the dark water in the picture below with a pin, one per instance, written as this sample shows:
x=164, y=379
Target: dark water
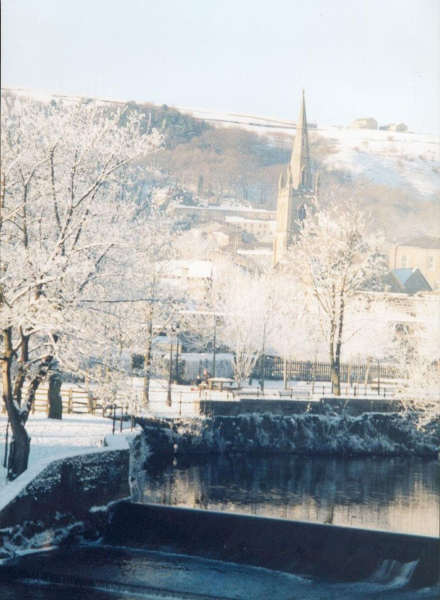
x=106, y=572
x=392, y=494
x=386, y=493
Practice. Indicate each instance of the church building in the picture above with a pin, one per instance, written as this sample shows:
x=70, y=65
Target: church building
x=297, y=190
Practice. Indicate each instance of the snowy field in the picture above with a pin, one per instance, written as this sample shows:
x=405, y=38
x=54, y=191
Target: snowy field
x=52, y=439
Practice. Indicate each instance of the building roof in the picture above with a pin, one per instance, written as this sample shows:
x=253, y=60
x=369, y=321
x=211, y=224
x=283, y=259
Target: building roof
x=193, y=269
x=412, y=280
x=425, y=241
x=226, y=207
x=248, y=221
x=403, y=274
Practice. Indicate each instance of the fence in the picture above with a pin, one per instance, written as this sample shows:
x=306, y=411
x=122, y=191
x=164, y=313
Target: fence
x=318, y=371
x=75, y=401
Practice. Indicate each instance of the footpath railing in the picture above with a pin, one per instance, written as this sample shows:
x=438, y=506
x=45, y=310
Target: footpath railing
x=184, y=400
x=275, y=368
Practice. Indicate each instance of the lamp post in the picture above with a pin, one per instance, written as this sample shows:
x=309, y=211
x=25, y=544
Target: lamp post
x=169, y=401
x=213, y=346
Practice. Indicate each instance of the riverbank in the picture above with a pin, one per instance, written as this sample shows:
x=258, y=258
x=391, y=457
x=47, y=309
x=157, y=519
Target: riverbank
x=392, y=434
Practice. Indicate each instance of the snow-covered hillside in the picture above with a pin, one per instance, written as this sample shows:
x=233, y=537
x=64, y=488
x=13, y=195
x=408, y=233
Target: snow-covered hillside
x=410, y=161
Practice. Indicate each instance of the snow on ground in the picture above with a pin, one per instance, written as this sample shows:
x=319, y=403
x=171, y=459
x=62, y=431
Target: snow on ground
x=404, y=160
x=397, y=159
x=52, y=439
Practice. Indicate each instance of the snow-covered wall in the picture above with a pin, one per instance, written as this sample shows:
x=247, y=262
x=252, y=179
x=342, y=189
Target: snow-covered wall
x=368, y=434
x=47, y=506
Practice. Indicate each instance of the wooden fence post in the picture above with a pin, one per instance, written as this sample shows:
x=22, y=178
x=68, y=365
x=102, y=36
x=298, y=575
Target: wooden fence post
x=70, y=402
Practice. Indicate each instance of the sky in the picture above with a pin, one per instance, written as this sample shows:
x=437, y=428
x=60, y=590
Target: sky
x=355, y=58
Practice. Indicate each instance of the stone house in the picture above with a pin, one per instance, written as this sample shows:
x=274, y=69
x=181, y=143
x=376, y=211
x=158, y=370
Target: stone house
x=367, y=123
x=422, y=253
x=394, y=127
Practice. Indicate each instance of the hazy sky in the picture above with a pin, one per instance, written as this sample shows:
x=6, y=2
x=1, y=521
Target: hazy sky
x=355, y=58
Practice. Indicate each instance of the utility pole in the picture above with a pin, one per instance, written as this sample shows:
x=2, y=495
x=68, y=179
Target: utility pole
x=169, y=401
x=213, y=347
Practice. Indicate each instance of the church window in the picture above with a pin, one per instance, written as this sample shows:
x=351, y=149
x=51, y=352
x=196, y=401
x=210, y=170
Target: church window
x=302, y=212
x=431, y=263
x=304, y=178
x=405, y=262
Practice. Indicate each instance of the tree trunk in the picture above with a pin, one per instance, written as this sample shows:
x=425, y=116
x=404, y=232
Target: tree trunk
x=262, y=364
x=20, y=445
x=335, y=371
x=336, y=366
x=285, y=378
x=19, y=452
x=336, y=377
x=54, y=398
x=147, y=367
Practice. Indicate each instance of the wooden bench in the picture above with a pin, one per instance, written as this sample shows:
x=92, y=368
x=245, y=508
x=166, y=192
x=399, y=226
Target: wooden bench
x=250, y=391
x=220, y=383
x=294, y=393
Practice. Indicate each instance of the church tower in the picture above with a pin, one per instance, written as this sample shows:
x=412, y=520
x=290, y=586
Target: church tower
x=296, y=190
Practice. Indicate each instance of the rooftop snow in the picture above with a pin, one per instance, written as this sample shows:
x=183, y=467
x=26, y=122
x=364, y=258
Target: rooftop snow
x=425, y=242
x=221, y=207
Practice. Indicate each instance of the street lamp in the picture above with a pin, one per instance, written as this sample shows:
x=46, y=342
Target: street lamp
x=169, y=401
x=213, y=347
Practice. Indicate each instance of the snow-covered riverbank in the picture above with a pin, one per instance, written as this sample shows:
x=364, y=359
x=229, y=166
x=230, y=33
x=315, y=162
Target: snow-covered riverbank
x=369, y=434
x=53, y=439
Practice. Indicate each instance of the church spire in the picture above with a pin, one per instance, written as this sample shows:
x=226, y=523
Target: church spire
x=300, y=161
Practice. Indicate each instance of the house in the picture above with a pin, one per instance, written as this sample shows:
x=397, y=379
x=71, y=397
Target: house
x=367, y=123
x=256, y=227
x=193, y=276
x=422, y=253
x=203, y=213
x=394, y=127
x=398, y=281
x=412, y=280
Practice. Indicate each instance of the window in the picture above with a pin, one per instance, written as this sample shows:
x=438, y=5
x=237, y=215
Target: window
x=405, y=262
x=431, y=263
x=304, y=178
x=302, y=212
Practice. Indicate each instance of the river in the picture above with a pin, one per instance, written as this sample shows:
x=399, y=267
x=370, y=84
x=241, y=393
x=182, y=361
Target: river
x=394, y=494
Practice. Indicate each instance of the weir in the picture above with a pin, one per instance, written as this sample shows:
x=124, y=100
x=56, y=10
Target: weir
x=325, y=551
x=149, y=550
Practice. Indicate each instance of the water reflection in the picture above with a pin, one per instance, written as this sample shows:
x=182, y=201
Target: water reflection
x=381, y=493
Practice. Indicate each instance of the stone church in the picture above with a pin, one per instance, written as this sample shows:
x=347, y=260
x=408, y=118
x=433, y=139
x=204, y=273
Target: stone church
x=297, y=190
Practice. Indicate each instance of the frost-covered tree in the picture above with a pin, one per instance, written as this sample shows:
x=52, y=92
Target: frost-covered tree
x=155, y=295
x=66, y=174
x=247, y=309
x=292, y=336
x=333, y=260
x=417, y=346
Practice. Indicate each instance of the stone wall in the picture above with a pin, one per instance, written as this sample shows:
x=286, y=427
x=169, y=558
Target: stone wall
x=55, y=502
x=338, y=435
x=349, y=406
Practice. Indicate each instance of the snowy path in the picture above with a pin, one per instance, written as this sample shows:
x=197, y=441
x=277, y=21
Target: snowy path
x=52, y=438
